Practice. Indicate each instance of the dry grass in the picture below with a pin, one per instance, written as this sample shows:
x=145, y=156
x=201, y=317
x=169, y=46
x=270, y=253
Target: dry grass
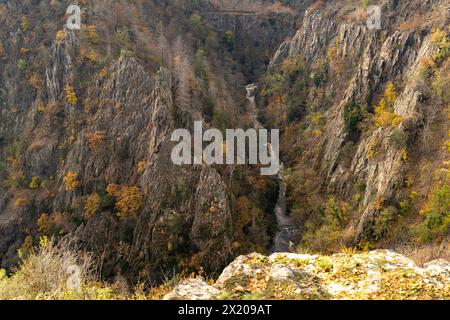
x=359, y=15
x=45, y=273
x=278, y=8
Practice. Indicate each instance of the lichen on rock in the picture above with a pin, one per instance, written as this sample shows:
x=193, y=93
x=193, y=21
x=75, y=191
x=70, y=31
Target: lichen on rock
x=380, y=274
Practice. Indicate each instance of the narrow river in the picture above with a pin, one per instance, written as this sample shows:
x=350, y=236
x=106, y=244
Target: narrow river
x=287, y=232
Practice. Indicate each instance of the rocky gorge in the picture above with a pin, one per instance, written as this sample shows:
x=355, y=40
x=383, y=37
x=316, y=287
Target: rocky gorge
x=86, y=118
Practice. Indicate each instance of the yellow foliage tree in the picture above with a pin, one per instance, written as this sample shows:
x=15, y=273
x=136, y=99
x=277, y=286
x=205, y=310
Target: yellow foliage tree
x=390, y=95
x=442, y=45
x=35, y=81
x=71, y=181
x=24, y=24
x=113, y=190
x=91, y=33
x=26, y=248
x=20, y=202
x=384, y=111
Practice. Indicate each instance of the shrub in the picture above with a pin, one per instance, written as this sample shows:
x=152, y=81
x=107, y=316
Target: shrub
x=353, y=115
x=93, y=56
x=325, y=264
x=44, y=274
x=319, y=72
x=374, y=148
x=24, y=24
x=61, y=272
x=337, y=63
x=442, y=45
x=196, y=20
x=295, y=112
x=383, y=222
x=199, y=66
x=35, y=81
x=405, y=207
x=390, y=94
x=274, y=83
x=96, y=139
x=398, y=138
x=20, y=202
x=24, y=51
x=405, y=154
x=437, y=216
x=365, y=4
x=336, y=213
x=15, y=178
x=71, y=96
x=441, y=83
x=317, y=119
x=61, y=36
x=426, y=68
x=26, y=248
x=229, y=40
x=384, y=111
x=91, y=34
x=22, y=64
x=35, y=183
x=129, y=202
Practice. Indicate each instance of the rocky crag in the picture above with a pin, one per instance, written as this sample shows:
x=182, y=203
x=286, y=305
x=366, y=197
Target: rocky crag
x=86, y=118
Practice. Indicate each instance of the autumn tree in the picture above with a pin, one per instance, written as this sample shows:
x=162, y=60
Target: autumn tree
x=436, y=216
x=129, y=200
x=45, y=224
x=92, y=205
x=71, y=181
x=35, y=183
x=384, y=111
x=71, y=96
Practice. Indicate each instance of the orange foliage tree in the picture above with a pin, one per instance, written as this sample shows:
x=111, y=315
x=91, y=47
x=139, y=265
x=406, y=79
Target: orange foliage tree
x=129, y=200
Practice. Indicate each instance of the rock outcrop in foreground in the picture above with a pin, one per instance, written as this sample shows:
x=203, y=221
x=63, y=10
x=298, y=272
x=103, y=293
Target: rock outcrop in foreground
x=380, y=274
